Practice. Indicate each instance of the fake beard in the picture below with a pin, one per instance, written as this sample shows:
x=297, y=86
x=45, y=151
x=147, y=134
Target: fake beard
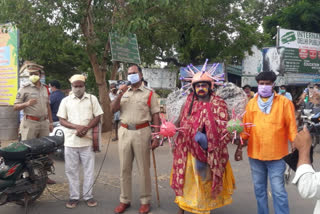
x=203, y=92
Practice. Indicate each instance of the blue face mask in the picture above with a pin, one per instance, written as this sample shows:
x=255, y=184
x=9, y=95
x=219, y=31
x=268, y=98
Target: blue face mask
x=133, y=78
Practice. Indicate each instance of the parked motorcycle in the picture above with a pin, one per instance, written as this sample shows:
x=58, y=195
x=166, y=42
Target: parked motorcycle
x=24, y=169
x=311, y=118
x=58, y=131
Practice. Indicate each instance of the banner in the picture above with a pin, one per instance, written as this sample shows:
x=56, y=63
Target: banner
x=299, y=39
x=8, y=64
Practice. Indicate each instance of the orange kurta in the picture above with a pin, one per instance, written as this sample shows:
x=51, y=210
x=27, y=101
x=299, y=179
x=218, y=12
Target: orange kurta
x=269, y=137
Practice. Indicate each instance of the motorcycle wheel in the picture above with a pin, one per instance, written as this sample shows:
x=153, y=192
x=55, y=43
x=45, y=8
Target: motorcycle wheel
x=315, y=140
x=40, y=183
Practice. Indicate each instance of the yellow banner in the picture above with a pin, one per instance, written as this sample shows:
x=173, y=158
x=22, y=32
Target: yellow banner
x=8, y=64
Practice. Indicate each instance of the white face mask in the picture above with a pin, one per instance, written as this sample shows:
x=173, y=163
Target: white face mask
x=78, y=92
x=133, y=78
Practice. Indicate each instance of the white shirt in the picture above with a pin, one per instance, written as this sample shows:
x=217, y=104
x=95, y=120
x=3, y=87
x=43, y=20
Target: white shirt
x=79, y=112
x=308, y=182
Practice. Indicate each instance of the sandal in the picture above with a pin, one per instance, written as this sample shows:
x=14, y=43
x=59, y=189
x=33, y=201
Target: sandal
x=72, y=203
x=91, y=202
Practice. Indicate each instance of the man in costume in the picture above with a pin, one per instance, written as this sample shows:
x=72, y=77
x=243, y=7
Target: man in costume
x=274, y=124
x=202, y=177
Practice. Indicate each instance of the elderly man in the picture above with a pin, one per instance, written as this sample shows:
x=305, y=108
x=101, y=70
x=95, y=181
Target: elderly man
x=274, y=124
x=79, y=113
x=138, y=107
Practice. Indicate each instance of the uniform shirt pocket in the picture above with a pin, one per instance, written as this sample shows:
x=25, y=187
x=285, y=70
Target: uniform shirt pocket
x=142, y=105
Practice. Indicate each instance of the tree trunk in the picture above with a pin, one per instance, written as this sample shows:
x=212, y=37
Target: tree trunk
x=100, y=77
x=115, y=68
x=98, y=70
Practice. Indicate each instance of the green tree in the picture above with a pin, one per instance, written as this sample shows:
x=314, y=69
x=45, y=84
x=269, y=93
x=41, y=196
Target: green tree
x=184, y=31
x=300, y=15
x=65, y=34
x=71, y=34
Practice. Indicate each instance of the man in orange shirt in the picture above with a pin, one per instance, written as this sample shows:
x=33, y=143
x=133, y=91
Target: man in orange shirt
x=274, y=120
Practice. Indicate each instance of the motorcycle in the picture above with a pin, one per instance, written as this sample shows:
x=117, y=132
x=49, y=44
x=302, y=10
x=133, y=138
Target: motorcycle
x=311, y=118
x=24, y=169
x=58, y=131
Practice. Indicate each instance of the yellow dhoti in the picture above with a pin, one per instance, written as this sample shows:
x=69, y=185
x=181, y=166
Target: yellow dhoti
x=197, y=196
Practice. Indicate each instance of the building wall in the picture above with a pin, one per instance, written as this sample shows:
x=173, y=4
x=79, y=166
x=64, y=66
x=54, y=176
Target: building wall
x=160, y=78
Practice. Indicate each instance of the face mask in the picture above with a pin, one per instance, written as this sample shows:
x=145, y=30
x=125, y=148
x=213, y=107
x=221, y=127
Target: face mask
x=265, y=90
x=78, y=92
x=133, y=78
x=50, y=90
x=282, y=91
x=34, y=78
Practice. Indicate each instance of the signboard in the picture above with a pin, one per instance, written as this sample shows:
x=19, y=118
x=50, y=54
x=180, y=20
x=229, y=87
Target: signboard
x=301, y=79
x=124, y=49
x=284, y=60
x=299, y=39
x=301, y=61
x=8, y=64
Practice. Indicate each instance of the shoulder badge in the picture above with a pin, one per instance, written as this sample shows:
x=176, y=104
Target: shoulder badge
x=146, y=87
x=18, y=95
x=23, y=85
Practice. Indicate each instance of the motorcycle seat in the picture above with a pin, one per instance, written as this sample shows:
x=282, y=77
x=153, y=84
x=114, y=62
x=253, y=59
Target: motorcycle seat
x=43, y=145
x=15, y=151
x=37, y=146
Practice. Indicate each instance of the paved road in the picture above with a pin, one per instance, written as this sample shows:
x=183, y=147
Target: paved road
x=107, y=189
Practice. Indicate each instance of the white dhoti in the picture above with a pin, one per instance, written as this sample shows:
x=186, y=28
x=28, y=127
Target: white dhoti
x=74, y=156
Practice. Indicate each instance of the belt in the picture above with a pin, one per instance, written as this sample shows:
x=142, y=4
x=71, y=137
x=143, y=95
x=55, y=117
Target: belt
x=135, y=126
x=29, y=117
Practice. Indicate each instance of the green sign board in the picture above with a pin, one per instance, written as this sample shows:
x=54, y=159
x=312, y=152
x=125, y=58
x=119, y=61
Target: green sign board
x=124, y=48
x=301, y=61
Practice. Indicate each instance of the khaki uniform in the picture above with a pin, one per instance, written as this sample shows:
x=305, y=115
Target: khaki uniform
x=30, y=129
x=134, y=110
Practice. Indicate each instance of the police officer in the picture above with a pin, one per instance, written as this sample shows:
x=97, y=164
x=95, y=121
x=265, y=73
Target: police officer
x=33, y=99
x=138, y=107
